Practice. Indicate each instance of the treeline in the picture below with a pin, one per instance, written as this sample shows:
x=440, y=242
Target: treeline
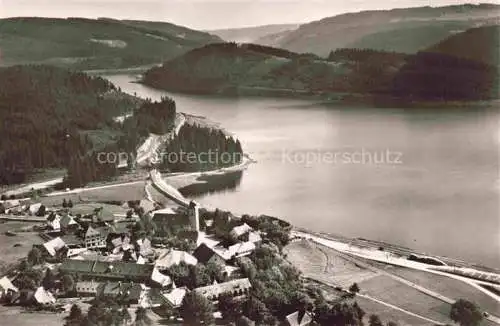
x=87, y=165
x=438, y=77
x=252, y=69
x=198, y=148
x=150, y=117
x=43, y=110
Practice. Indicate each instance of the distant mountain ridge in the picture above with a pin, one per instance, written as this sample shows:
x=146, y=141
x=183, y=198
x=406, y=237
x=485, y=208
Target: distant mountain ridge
x=448, y=71
x=251, y=34
x=82, y=43
x=483, y=45
x=406, y=30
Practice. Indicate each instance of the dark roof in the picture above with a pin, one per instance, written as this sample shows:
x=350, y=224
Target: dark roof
x=132, y=291
x=114, y=269
x=203, y=253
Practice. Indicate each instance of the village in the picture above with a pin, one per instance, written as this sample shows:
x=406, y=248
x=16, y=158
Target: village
x=152, y=257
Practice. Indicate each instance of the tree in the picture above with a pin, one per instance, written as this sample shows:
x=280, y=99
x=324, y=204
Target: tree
x=2, y=208
x=141, y=317
x=68, y=283
x=70, y=204
x=466, y=313
x=244, y=321
x=130, y=213
x=196, y=310
x=375, y=321
x=230, y=308
x=75, y=316
x=35, y=256
x=354, y=288
x=49, y=279
x=41, y=211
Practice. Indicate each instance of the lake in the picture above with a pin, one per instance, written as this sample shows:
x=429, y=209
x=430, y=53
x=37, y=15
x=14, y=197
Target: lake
x=425, y=179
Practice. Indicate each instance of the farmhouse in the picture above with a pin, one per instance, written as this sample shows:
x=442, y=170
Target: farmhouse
x=236, y=288
x=97, y=270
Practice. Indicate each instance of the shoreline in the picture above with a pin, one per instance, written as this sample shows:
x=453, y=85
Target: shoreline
x=333, y=98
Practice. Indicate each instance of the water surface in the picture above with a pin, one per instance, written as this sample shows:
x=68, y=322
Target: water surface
x=442, y=198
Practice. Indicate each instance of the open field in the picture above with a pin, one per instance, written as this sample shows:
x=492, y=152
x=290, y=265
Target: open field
x=10, y=254
x=386, y=289
x=119, y=192
x=387, y=314
x=449, y=287
x=324, y=264
x=17, y=316
x=88, y=208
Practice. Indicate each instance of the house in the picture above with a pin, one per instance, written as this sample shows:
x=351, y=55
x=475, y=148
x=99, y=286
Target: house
x=9, y=204
x=170, y=258
x=113, y=271
x=43, y=297
x=205, y=255
x=103, y=215
x=238, y=231
x=147, y=205
x=96, y=237
x=54, y=245
x=245, y=233
x=72, y=252
x=241, y=249
x=207, y=240
x=68, y=222
x=145, y=248
x=54, y=221
x=165, y=215
x=6, y=286
x=87, y=288
x=174, y=298
x=34, y=208
x=235, y=288
x=130, y=293
x=159, y=278
x=299, y=318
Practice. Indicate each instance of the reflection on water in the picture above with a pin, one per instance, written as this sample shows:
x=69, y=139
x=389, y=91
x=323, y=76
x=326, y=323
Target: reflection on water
x=211, y=184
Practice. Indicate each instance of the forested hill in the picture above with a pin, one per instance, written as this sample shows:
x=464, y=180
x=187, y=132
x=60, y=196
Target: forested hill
x=480, y=44
x=249, y=69
x=242, y=69
x=94, y=43
x=45, y=114
x=464, y=67
x=407, y=30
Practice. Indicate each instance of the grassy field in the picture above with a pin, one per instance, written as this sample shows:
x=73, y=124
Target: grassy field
x=386, y=289
x=10, y=254
x=121, y=192
x=18, y=317
x=325, y=265
x=88, y=208
x=448, y=287
x=387, y=314
x=94, y=44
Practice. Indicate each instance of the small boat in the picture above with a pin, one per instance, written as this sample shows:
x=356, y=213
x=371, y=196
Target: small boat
x=10, y=233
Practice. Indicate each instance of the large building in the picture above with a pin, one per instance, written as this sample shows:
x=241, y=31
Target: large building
x=98, y=270
x=235, y=288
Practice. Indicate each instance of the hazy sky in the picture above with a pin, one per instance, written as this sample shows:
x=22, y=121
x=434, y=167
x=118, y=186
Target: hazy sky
x=207, y=14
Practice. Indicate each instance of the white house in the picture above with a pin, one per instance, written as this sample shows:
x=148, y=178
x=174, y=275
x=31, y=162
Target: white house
x=171, y=258
x=54, y=245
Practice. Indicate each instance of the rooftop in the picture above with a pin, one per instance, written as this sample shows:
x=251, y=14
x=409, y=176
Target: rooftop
x=106, y=268
x=234, y=286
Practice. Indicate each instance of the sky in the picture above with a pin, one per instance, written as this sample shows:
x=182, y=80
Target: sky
x=208, y=14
